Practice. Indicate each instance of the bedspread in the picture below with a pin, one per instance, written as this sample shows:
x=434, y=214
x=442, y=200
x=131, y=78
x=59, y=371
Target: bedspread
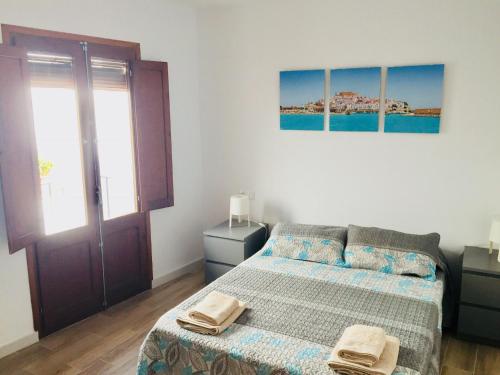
x=296, y=312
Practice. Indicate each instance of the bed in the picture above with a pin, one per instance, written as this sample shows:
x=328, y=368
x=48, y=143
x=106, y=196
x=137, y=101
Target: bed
x=297, y=310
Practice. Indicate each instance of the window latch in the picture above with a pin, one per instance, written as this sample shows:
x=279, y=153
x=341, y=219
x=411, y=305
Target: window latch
x=98, y=196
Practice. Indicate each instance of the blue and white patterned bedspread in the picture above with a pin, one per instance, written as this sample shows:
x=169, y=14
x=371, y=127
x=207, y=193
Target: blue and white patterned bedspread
x=297, y=311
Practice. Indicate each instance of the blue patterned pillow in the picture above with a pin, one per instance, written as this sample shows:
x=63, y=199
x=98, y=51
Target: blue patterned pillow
x=314, y=243
x=392, y=252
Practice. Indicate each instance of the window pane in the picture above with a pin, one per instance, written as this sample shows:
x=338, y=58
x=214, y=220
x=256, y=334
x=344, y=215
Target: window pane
x=57, y=132
x=114, y=137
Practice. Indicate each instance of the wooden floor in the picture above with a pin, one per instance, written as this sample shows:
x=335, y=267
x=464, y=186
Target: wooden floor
x=108, y=343
x=467, y=358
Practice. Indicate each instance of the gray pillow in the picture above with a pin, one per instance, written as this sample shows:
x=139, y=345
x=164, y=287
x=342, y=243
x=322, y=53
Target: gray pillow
x=315, y=243
x=393, y=252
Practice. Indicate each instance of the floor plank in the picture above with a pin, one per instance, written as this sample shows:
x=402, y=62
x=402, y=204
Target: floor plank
x=22, y=358
x=460, y=354
x=102, y=346
x=108, y=342
x=58, y=360
x=447, y=370
x=488, y=361
x=444, y=345
x=97, y=367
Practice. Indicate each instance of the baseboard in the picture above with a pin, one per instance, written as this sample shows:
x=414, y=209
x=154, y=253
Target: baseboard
x=194, y=266
x=18, y=344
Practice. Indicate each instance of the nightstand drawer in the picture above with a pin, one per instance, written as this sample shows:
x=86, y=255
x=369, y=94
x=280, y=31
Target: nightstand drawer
x=475, y=321
x=481, y=290
x=215, y=270
x=224, y=251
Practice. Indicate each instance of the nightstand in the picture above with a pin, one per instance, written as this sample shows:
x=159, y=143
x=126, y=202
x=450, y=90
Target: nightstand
x=227, y=247
x=479, y=316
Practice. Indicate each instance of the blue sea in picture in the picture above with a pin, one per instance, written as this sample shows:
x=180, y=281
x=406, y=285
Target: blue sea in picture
x=298, y=121
x=359, y=122
x=411, y=124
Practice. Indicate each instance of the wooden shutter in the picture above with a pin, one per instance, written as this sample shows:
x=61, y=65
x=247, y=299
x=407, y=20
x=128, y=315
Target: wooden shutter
x=152, y=124
x=19, y=171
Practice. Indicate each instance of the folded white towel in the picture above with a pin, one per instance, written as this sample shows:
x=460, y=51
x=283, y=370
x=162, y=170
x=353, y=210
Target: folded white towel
x=214, y=308
x=384, y=366
x=362, y=344
x=204, y=328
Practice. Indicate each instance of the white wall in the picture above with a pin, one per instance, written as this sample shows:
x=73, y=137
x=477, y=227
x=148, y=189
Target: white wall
x=449, y=183
x=167, y=31
x=16, y=320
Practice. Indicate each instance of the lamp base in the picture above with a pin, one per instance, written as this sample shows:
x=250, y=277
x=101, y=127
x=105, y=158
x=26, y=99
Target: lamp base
x=490, y=251
x=239, y=220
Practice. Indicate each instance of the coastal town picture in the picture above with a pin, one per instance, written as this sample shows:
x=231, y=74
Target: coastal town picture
x=302, y=103
x=413, y=99
x=355, y=99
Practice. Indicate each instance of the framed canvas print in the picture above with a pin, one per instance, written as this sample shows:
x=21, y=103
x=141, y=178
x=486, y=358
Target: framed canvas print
x=302, y=103
x=354, y=99
x=413, y=99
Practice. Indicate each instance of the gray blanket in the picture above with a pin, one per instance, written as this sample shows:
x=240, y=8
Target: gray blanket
x=290, y=327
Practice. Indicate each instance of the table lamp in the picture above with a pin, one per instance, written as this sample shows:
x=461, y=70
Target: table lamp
x=495, y=235
x=239, y=205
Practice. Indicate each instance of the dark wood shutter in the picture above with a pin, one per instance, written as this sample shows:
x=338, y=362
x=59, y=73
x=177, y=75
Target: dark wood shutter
x=152, y=122
x=19, y=171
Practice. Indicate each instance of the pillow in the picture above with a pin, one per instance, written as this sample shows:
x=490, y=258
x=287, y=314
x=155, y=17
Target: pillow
x=392, y=252
x=315, y=243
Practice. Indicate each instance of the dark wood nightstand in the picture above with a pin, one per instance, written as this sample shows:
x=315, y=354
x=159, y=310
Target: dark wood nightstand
x=479, y=315
x=227, y=247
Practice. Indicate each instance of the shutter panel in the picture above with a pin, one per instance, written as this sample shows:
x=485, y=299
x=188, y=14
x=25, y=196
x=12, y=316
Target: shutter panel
x=19, y=171
x=152, y=124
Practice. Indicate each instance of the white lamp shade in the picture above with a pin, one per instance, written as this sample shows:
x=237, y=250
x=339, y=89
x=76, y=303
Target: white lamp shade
x=495, y=231
x=239, y=204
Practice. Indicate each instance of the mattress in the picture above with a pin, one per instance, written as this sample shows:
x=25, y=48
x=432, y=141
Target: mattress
x=297, y=311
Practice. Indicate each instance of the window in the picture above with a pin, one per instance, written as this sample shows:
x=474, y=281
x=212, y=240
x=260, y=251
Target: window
x=58, y=141
x=115, y=138
x=92, y=125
